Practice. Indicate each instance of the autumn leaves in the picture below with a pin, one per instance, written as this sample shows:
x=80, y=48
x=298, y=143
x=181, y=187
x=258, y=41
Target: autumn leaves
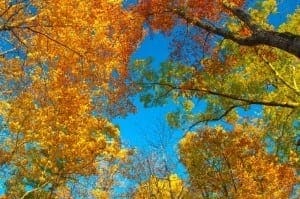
x=73, y=68
x=64, y=74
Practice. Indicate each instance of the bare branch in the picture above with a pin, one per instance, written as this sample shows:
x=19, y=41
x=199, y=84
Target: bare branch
x=7, y=51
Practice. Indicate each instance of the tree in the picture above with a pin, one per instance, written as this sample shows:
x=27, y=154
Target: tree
x=151, y=172
x=234, y=165
x=63, y=76
x=227, y=75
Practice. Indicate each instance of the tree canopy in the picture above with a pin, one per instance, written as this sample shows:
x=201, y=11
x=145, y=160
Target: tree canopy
x=66, y=71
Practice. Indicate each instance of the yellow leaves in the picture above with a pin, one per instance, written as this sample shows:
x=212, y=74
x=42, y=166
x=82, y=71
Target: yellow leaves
x=188, y=105
x=55, y=114
x=260, y=15
x=100, y=194
x=12, y=69
x=4, y=108
x=293, y=158
x=269, y=6
x=114, y=1
x=123, y=154
x=42, y=179
x=169, y=187
x=292, y=25
x=63, y=192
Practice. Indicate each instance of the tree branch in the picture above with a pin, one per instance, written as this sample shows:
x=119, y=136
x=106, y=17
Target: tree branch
x=33, y=190
x=285, y=41
x=224, y=114
x=54, y=40
x=7, y=51
x=279, y=76
x=291, y=105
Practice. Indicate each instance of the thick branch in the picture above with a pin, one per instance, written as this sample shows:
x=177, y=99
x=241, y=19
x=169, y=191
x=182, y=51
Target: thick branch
x=284, y=41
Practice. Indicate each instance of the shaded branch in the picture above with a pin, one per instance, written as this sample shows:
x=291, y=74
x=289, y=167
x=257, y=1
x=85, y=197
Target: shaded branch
x=243, y=16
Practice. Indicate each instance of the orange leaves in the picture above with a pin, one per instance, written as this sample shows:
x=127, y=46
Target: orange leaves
x=75, y=69
x=161, y=14
x=85, y=40
x=236, y=160
x=62, y=126
x=158, y=13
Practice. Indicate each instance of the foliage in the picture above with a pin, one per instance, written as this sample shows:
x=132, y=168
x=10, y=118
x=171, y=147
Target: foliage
x=63, y=76
x=170, y=187
x=234, y=165
x=232, y=78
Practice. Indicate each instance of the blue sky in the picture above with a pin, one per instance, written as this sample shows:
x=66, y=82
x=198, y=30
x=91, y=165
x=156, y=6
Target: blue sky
x=135, y=125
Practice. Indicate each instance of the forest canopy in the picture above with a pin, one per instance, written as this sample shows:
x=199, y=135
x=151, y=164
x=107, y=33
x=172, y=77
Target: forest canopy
x=67, y=71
